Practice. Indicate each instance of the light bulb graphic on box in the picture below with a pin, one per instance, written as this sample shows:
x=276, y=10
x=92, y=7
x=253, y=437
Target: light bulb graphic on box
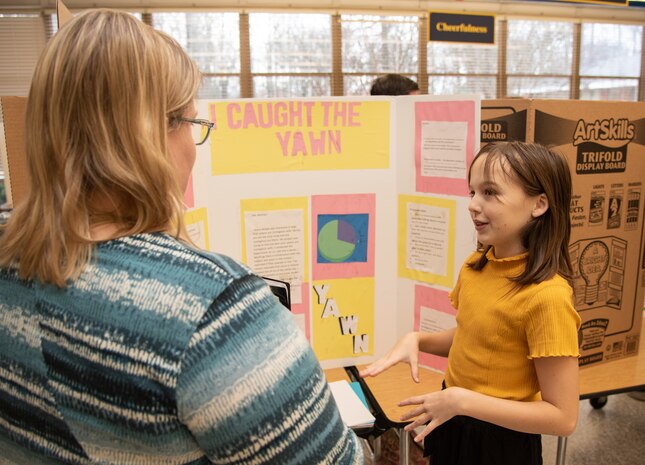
x=593, y=264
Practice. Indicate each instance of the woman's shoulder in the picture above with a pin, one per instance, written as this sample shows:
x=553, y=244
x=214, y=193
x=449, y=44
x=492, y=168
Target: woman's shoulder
x=154, y=284
x=158, y=270
x=171, y=255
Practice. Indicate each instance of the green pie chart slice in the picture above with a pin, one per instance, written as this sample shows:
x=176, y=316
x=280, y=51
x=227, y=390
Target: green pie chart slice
x=331, y=246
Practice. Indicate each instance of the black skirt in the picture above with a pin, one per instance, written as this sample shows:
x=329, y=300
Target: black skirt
x=468, y=441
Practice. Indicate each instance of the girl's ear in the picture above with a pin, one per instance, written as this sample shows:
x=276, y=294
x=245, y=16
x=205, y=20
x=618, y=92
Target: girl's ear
x=541, y=206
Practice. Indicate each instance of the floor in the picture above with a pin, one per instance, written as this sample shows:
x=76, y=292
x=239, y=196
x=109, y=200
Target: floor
x=612, y=435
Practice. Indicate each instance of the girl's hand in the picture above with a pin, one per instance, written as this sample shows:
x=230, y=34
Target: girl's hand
x=435, y=409
x=406, y=350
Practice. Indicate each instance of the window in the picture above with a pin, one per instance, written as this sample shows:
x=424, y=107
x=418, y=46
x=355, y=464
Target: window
x=22, y=39
x=462, y=68
x=374, y=45
x=290, y=54
x=610, y=54
x=306, y=54
x=539, y=59
x=212, y=41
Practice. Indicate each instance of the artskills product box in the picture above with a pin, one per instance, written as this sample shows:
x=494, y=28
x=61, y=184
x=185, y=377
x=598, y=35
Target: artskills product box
x=604, y=143
x=504, y=120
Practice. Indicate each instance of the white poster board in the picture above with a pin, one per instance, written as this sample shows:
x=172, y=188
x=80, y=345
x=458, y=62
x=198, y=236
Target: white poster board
x=359, y=203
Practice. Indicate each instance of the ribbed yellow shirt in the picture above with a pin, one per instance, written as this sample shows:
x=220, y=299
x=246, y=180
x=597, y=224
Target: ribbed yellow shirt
x=501, y=328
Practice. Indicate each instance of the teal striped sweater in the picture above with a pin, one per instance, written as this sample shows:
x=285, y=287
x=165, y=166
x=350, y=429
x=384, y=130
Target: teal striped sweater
x=160, y=354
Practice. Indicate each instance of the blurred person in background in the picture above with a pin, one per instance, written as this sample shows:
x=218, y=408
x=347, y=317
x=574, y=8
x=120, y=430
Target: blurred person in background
x=394, y=84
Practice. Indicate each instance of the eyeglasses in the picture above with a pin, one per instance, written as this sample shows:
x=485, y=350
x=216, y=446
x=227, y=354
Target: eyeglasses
x=201, y=128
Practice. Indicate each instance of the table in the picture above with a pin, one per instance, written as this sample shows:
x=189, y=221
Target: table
x=336, y=374
x=387, y=389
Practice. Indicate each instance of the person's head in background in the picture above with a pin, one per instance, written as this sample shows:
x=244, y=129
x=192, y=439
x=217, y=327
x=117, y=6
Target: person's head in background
x=394, y=84
x=106, y=152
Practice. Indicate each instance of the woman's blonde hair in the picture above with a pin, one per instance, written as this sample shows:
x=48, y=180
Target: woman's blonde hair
x=105, y=93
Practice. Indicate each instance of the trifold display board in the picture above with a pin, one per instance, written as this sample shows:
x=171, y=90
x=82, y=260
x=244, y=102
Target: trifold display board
x=604, y=143
x=359, y=203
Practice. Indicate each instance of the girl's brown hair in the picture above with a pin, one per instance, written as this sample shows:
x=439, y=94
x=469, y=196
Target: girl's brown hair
x=538, y=170
x=105, y=92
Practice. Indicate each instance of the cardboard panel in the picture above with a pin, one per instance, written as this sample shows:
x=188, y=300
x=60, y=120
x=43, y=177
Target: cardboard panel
x=16, y=181
x=504, y=120
x=604, y=143
x=63, y=14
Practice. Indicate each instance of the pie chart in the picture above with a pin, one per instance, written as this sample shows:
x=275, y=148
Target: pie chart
x=337, y=240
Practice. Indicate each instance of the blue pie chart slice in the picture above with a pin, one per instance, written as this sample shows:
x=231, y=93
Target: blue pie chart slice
x=337, y=241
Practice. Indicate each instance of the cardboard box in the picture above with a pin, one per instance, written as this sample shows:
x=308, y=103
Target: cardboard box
x=604, y=143
x=504, y=120
x=14, y=159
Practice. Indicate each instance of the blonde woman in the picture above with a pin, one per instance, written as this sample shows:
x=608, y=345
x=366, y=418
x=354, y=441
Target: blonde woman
x=119, y=342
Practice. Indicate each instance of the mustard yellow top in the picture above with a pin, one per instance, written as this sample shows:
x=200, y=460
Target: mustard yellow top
x=501, y=328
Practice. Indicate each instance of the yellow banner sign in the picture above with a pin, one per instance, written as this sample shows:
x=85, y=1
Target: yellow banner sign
x=255, y=136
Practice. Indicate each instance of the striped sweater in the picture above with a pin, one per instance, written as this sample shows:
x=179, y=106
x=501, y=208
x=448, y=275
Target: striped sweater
x=160, y=354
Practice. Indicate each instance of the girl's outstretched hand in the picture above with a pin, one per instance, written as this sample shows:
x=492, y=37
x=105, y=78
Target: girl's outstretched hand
x=434, y=409
x=406, y=350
